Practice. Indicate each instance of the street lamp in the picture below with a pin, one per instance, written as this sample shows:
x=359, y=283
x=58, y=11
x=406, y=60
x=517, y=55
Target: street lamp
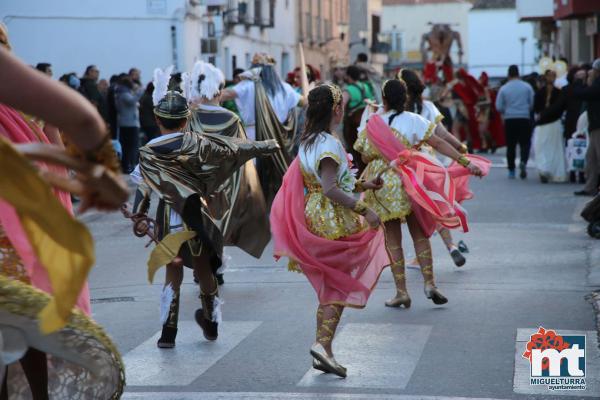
x=523, y=40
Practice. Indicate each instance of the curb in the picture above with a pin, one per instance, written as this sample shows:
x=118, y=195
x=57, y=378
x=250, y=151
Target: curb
x=594, y=299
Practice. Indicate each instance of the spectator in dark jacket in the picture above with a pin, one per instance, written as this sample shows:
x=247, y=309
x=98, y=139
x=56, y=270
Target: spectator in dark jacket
x=127, y=96
x=566, y=103
x=147, y=119
x=548, y=138
x=111, y=105
x=89, y=89
x=590, y=94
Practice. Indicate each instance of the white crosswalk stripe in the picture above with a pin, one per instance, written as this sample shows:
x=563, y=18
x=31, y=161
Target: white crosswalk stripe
x=370, y=363
x=283, y=396
x=522, y=370
x=147, y=365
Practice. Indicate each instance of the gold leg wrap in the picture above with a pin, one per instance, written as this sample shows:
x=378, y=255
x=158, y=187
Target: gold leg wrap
x=398, y=272
x=330, y=315
x=446, y=237
x=423, y=250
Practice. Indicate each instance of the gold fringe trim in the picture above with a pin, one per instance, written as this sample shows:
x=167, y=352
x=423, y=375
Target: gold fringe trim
x=24, y=300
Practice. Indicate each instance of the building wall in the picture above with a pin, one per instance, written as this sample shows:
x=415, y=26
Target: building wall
x=361, y=19
x=410, y=22
x=535, y=8
x=280, y=41
x=319, y=29
x=494, y=42
x=576, y=45
x=115, y=35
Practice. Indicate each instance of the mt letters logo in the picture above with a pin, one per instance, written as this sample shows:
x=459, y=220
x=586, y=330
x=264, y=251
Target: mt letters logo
x=557, y=362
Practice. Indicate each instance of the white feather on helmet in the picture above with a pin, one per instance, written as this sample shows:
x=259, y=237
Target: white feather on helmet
x=161, y=83
x=210, y=85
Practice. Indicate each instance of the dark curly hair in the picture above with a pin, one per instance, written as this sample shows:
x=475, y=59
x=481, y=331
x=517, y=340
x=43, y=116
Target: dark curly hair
x=394, y=93
x=318, y=114
x=415, y=88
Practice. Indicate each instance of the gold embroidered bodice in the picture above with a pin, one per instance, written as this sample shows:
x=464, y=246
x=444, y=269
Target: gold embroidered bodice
x=323, y=216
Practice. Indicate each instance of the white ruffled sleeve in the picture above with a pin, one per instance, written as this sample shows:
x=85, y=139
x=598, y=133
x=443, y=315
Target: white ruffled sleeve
x=421, y=131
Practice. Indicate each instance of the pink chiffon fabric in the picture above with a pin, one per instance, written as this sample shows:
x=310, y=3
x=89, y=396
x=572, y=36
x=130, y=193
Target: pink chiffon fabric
x=342, y=271
x=435, y=191
x=14, y=128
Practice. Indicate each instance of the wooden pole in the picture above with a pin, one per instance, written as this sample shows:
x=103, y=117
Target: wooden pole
x=303, y=76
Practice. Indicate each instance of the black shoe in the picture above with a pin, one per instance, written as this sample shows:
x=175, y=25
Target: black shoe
x=220, y=279
x=210, y=329
x=543, y=179
x=523, y=173
x=167, y=338
x=458, y=258
x=583, y=193
x=432, y=293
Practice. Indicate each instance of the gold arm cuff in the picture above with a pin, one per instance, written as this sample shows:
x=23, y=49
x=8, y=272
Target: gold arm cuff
x=463, y=149
x=360, y=208
x=464, y=161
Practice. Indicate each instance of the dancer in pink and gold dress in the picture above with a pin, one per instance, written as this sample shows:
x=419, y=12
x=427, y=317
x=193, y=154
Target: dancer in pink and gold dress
x=318, y=224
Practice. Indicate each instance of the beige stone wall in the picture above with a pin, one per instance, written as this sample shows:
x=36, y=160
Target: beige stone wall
x=318, y=24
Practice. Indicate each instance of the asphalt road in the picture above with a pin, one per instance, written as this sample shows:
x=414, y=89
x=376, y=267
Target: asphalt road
x=529, y=265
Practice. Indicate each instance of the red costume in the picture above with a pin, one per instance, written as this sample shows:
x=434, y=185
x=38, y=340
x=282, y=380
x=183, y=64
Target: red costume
x=495, y=125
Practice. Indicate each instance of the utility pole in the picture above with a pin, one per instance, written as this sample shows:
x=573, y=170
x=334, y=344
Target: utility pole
x=523, y=40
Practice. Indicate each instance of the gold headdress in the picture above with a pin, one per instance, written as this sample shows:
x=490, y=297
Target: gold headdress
x=336, y=93
x=262, y=59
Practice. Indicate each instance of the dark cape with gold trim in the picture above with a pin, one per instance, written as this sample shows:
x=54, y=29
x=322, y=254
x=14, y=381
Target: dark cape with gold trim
x=184, y=171
x=272, y=169
x=238, y=206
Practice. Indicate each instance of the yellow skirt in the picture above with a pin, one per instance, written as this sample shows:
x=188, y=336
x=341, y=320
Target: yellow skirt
x=328, y=219
x=391, y=201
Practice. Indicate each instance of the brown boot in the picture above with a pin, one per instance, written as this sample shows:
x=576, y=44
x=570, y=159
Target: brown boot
x=209, y=315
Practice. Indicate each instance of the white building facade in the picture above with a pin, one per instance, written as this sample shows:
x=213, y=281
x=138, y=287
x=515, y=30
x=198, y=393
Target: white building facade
x=114, y=35
x=497, y=39
x=406, y=21
x=238, y=29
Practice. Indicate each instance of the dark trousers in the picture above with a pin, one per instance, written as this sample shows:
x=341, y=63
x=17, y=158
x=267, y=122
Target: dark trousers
x=517, y=131
x=592, y=162
x=129, y=136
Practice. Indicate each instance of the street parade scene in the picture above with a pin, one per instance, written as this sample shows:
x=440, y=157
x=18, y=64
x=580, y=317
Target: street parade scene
x=299, y=199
